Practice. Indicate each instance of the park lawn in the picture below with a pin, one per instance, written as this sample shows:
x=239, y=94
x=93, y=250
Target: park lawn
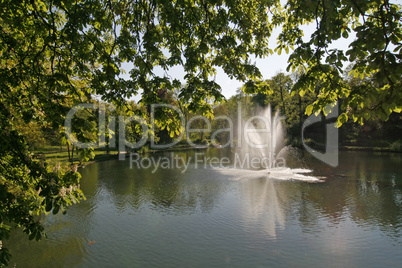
x=55, y=154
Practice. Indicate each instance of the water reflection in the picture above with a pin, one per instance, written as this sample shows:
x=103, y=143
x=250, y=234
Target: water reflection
x=165, y=190
x=154, y=219
x=263, y=204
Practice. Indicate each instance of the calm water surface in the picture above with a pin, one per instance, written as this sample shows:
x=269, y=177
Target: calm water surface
x=206, y=218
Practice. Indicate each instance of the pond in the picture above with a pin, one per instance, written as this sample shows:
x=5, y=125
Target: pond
x=203, y=217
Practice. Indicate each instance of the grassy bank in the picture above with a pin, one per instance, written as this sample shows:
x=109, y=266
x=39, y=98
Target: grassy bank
x=60, y=154
x=54, y=154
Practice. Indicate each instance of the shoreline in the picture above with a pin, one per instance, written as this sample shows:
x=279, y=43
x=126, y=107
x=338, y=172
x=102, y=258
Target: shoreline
x=106, y=157
x=356, y=148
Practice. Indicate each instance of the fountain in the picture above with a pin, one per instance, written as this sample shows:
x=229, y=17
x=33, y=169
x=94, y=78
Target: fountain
x=262, y=137
x=261, y=143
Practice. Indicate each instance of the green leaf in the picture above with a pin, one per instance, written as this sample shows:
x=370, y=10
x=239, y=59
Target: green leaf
x=343, y=118
x=38, y=236
x=32, y=235
x=56, y=209
x=49, y=204
x=338, y=124
x=309, y=109
x=63, y=210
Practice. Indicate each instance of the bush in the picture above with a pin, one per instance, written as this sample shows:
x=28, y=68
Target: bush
x=396, y=146
x=295, y=142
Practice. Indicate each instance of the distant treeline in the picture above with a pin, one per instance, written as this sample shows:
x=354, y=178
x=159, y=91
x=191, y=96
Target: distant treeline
x=275, y=92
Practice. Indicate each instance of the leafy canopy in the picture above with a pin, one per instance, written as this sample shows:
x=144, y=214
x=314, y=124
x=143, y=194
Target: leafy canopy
x=375, y=54
x=54, y=54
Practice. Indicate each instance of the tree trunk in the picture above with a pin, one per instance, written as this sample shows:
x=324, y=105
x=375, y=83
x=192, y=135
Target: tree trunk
x=300, y=112
x=68, y=151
